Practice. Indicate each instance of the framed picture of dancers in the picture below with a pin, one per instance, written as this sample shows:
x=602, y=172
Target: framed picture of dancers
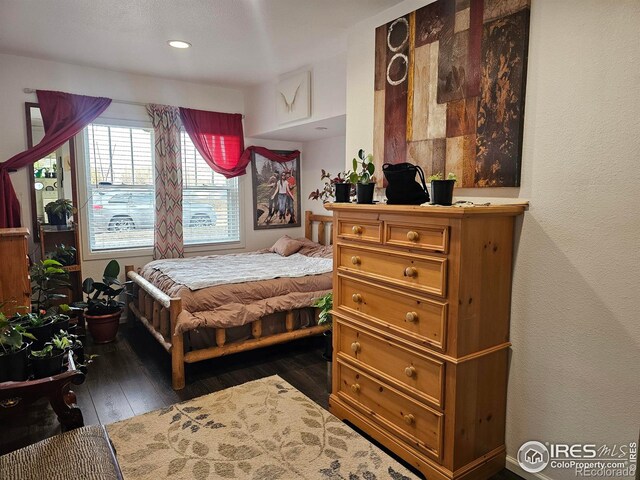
x=276, y=192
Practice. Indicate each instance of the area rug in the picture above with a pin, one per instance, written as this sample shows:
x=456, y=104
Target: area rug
x=261, y=430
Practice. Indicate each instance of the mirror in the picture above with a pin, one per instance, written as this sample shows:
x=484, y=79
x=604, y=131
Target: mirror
x=52, y=177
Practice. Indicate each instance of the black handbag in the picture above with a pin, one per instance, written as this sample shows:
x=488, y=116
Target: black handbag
x=402, y=187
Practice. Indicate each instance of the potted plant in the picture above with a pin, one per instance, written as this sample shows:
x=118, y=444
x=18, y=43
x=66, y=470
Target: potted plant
x=64, y=255
x=41, y=328
x=441, y=189
x=334, y=187
x=14, y=350
x=48, y=361
x=364, y=180
x=102, y=308
x=47, y=278
x=325, y=304
x=58, y=211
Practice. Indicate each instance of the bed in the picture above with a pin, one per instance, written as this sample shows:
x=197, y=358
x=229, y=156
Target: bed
x=196, y=316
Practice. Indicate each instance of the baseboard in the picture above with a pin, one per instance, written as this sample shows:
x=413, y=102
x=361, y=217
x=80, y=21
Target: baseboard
x=514, y=466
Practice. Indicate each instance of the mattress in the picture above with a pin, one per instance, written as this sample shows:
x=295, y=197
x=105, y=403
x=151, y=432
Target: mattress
x=237, y=304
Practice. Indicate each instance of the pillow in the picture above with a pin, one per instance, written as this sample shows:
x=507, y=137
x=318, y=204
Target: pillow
x=286, y=246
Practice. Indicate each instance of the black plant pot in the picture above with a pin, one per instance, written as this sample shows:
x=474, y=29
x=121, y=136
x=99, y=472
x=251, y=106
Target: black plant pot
x=78, y=351
x=328, y=345
x=43, y=334
x=62, y=323
x=14, y=366
x=43, y=367
x=364, y=192
x=57, y=219
x=442, y=192
x=343, y=192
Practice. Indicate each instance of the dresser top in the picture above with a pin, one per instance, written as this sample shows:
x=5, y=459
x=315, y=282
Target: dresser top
x=511, y=209
x=14, y=232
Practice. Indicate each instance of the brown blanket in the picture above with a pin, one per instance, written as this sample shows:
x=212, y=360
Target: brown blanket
x=237, y=304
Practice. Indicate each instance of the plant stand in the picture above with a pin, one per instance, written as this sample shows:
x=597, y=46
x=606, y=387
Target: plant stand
x=18, y=395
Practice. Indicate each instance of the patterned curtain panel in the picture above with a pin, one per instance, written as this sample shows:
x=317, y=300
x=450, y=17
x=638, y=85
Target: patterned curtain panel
x=168, y=238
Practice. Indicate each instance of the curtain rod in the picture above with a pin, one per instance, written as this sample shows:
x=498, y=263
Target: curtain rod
x=125, y=102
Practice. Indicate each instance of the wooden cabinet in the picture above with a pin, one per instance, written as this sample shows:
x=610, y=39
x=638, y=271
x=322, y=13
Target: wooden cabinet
x=421, y=331
x=15, y=284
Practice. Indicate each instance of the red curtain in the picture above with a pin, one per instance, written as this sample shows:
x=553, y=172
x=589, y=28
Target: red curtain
x=265, y=152
x=63, y=116
x=218, y=137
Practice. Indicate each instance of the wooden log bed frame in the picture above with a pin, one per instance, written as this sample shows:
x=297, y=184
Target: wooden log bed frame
x=158, y=312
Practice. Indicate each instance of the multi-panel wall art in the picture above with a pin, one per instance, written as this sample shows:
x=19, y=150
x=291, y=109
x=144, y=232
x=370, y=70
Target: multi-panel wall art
x=449, y=90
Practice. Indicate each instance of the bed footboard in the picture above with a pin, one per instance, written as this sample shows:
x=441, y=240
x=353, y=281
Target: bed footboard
x=158, y=312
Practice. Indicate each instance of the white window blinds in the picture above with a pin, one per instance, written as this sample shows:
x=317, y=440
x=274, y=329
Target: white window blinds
x=210, y=202
x=119, y=166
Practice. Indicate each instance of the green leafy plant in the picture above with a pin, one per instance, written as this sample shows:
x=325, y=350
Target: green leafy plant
x=12, y=336
x=46, y=352
x=47, y=278
x=60, y=208
x=367, y=168
x=325, y=304
x=102, y=296
x=439, y=176
x=65, y=255
x=329, y=190
x=30, y=320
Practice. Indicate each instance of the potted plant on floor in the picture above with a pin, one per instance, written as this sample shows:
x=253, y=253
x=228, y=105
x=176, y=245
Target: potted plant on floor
x=441, y=189
x=102, y=308
x=364, y=180
x=334, y=187
x=14, y=350
x=58, y=211
x=325, y=304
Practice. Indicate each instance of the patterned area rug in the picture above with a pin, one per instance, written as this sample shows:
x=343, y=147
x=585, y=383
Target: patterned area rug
x=262, y=430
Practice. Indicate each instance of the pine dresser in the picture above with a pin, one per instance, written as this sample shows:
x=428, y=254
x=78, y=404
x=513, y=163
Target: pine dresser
x=15, y=283
x=421, y=331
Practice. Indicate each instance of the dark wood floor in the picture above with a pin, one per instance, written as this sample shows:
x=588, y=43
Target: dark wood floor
x=132, y=376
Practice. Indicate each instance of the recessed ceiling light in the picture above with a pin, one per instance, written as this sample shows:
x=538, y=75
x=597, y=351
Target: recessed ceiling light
x=321, y=128
x=179, y=44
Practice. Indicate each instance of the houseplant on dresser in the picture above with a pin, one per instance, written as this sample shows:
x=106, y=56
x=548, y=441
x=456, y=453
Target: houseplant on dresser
x=364, y=179
x=102, y=308
x=442, y=189
x=337, y=187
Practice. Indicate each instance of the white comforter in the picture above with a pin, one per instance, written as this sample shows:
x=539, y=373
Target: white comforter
x=237, y=268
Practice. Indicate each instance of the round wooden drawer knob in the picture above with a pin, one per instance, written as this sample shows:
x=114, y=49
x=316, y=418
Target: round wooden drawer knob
x=356, y=229
x=411, y=317
x=356, y=297
x=410, y=371
x=410, y=272
x=355, y=260
x=355, y=388
x=355, y=347
x=409, y=419
x=413, y=236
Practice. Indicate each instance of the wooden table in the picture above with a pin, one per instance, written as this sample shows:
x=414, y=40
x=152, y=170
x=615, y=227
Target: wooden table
x=15, y=396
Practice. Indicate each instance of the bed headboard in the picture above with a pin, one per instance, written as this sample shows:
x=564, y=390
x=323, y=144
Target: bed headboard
x=310, y=218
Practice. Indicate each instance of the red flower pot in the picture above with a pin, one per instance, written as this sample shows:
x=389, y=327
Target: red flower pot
x=103, y=328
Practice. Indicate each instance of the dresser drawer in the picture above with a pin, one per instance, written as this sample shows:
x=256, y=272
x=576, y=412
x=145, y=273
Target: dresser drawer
x=413, y=422
x=419, y=319
x=426, y=237
x=420, y=272
x=424, y=376
x=360, y=230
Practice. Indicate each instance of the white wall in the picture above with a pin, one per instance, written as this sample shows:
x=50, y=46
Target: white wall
x=17, y=73
x=328, y=90
x=327, y=153
x=576, y=336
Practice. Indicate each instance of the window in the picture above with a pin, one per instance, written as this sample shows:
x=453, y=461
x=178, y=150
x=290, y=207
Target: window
x=210, y=205
x=120, y=192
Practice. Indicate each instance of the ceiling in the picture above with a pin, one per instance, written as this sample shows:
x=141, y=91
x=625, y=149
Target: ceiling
x=235, y=42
